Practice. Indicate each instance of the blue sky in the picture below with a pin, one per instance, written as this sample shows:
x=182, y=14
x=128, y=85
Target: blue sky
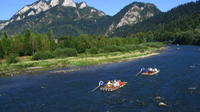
x=110, y=7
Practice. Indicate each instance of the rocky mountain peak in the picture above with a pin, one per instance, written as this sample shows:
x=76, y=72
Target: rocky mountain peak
x=82, y=5
x=38, y=6
x=69, y=3
x=23, y=10
x=54, y=2
x=45, y=9
x=48, y=13
x=133, y=14
x=136, y=13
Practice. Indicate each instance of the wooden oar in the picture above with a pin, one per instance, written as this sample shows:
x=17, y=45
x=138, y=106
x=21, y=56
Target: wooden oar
x=100, y=84
x=138, y=73
x=95, y=89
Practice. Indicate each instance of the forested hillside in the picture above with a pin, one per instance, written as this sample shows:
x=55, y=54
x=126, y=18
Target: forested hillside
x=182, y=19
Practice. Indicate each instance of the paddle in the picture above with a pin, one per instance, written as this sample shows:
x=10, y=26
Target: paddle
x=100, y=84
x=95, y=89
x=138, y=73
x=142, y=69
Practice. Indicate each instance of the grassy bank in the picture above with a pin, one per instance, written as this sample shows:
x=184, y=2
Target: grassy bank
x=26, y=64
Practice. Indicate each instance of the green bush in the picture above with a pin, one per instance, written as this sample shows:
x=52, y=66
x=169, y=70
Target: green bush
x=66, y=52
x=43, y=55
x=93, y=50
x=130, y=47
x=153, y=44
x=11, y=59
x=113, y=49
x=101, y=50
x=141, y=46
x=1, y=55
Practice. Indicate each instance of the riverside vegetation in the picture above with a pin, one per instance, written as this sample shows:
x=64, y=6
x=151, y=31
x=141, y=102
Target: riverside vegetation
x=35, y=51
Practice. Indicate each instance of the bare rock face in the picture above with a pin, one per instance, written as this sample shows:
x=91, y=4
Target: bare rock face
x=131, y=17
x=43, y=14
x=82, y=5
x=31, y=10
x=54, y=3
x=40, y=6
x=2, y=25
x=31, y=13
x=133, y=14
x=23, y=10
x=76, y=17
x=69, y=3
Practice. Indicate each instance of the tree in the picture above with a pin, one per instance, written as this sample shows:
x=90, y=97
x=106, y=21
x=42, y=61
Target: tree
x=27, y=43
x=1, y=50
x=84, y=42
x=18, y=45
x=102, y=41
x=6, y=44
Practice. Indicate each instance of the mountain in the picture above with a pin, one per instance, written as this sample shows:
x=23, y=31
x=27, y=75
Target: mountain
x=182, y=18
x=60, y=16
x=3, y=23
x=65, y=17
x=132, y=14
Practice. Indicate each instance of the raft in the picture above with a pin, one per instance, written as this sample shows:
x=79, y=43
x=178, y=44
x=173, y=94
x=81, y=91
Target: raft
x=150, y=74
x=106, y=88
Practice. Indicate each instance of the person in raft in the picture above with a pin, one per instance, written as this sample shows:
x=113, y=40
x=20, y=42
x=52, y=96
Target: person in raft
x=109, y=84
x=115, y=83
x=151, y=70
x=120, y=83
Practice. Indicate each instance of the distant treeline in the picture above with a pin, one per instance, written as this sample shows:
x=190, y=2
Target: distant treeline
x=43, y=46
x=190, y=37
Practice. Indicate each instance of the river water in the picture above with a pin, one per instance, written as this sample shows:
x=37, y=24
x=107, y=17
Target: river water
x=178, y=85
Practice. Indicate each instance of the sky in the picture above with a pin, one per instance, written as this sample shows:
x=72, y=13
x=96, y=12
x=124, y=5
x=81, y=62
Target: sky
x=9, y=7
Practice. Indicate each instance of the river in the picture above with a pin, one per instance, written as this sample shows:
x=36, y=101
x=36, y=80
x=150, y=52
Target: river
x=178, y=85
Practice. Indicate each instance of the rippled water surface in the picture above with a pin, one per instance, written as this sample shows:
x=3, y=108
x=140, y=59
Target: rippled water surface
x=178, y=85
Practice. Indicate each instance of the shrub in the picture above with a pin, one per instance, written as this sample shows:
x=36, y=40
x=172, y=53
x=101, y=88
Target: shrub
x=66, y=52
x=134, y=47
x=113, y=49
x=141, y=46
x=101, y=50
x=1, y=55
x=43, y=55
x=153, y=44
x=128, y=48
x=11, y=59
x=93, y=50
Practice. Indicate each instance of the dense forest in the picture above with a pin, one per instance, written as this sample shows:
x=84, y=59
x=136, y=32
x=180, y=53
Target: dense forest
x=189, y=37
x=44, y=46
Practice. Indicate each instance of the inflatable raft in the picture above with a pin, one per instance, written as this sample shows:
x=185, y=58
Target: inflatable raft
x=150, y=73
x=112, y=88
